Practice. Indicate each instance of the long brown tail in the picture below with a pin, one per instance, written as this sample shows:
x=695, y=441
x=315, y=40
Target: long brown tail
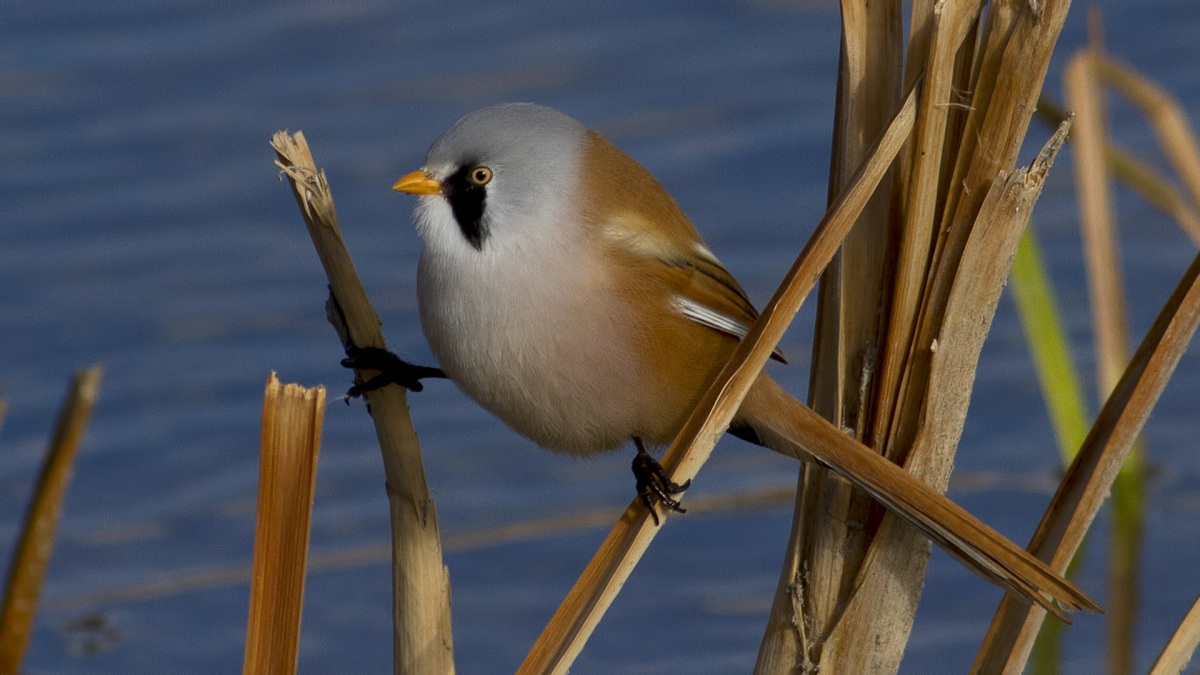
x=774, y=419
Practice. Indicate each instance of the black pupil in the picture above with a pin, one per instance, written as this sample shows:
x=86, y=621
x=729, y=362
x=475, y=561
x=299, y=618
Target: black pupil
x=480, y=175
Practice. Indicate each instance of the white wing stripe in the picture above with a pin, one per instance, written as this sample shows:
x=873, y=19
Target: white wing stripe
x=710, y=318
x=706, y=254
x=706, y=316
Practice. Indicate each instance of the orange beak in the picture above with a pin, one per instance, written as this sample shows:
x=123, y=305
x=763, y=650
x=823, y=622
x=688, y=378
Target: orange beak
x=418, y=183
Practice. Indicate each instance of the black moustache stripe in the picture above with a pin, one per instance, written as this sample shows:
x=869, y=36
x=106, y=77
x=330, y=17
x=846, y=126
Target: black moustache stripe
x=467, y=201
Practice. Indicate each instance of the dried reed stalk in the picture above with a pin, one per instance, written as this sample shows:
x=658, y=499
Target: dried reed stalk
x=1110, y=330
x=854, y=614
x=36, y=541
x=851, y=294
x=1179, y=649
x=946, y=29
x=422, y=641
x=287, y=475
x=577, y=616
x=1016, y=48
x=1109, y=324
x=1090, y=476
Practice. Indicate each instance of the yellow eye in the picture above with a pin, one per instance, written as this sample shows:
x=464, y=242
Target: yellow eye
x=480, y=175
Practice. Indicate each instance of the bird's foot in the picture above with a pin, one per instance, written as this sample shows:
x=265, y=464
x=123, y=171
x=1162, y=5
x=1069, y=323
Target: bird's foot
x=653, y=484
x=392, y=370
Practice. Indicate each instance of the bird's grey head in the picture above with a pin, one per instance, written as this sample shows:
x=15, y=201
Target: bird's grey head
x=502, y=170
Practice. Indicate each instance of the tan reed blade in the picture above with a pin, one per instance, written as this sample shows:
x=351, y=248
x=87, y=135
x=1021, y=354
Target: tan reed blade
x=1179, y=649
x=36, y=541
x=1089, y=478
x=291, y=440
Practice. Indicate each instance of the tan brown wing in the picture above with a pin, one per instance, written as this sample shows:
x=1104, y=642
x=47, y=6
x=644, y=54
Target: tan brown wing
x=710, y=296
x=641, y=224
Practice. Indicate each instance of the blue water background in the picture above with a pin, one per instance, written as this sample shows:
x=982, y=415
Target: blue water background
x=142, y=225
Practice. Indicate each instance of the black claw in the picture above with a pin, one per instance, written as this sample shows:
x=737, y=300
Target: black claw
x=653, y=484
x=392, y=370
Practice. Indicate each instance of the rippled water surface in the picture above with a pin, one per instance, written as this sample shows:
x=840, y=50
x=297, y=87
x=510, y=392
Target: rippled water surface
x=144, y=227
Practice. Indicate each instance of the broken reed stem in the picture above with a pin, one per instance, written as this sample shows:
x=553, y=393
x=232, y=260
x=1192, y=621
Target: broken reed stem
x=1016, y=47
x=870, y=76
x=853, y=611
x=291, y=439
x=1089, y=478
x=36, y=541
x=852, y=290
x=949, y=27
x=422, y=641
x=866, y=315
x=566, y=633
x=1179, y=649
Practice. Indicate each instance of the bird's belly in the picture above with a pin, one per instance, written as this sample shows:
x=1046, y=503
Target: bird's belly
x=552, y=363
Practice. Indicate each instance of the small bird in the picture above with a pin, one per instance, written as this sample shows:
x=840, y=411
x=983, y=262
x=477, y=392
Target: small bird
x=564, y=290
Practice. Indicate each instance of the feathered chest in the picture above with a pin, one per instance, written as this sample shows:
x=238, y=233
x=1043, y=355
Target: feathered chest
x=536, y=335
x=516, y=301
